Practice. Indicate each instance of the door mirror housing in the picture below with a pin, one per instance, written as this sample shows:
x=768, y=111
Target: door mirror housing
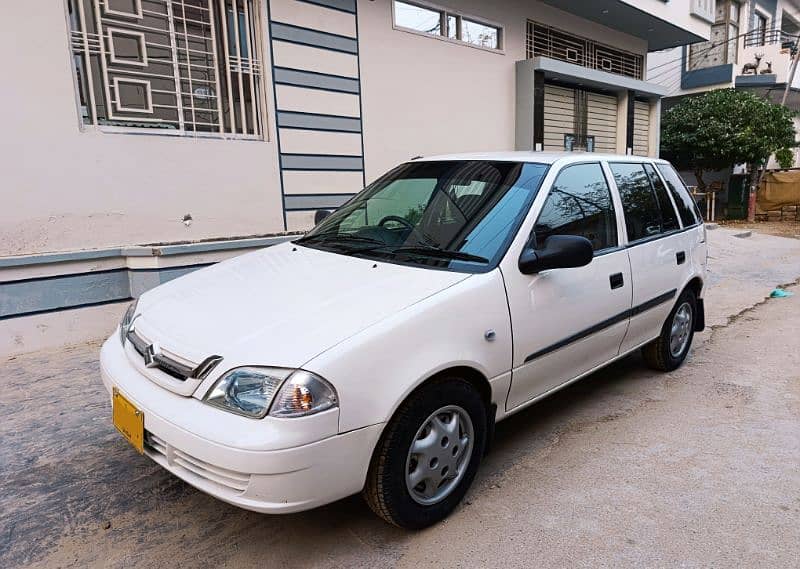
x=320, y=215
x=558, y=252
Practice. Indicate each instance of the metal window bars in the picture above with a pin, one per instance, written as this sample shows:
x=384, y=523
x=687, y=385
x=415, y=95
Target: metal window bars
x=184, y=67
x=547, y=41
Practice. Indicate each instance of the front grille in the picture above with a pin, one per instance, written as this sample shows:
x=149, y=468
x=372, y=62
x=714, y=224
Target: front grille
x=180, y=461
x=154, y=358
x=155, y=444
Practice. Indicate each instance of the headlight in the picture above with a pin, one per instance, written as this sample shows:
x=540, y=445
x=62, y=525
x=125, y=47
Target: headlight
x=252, y=391
x=125, y=325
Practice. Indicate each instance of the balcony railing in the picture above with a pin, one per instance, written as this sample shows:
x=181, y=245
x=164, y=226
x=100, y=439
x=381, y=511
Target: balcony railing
x=547, y=41
x=773, y=36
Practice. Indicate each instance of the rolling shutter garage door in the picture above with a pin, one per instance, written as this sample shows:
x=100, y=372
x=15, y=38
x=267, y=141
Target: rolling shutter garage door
x=601, y=122
x=641, y=128
x=559, y=116
x=577, y=112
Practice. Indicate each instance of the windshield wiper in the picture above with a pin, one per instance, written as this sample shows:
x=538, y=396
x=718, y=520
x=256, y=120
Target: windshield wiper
x=339, y=242
x=334, y=237
x=440, y=253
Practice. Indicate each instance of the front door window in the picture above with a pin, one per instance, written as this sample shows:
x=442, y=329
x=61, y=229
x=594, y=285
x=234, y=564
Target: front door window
x=579, y=204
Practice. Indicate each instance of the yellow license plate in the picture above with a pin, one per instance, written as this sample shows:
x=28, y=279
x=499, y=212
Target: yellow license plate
x=128, y=420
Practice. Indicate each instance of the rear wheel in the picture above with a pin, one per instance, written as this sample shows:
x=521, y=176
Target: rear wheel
x=428, y=456
x=669, y=350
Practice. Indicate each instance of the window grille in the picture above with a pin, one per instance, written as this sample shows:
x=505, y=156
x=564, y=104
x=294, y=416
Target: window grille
x=547, y=41
x=187, y=67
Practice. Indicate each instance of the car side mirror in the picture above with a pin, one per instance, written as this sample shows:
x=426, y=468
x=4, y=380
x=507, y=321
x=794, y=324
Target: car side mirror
x=558, y=252
x=320, y=215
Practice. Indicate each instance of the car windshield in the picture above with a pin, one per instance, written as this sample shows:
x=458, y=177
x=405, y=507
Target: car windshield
x=453, y=215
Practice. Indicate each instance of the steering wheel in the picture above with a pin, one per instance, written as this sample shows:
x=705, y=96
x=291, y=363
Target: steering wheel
x=422, y=237
x=398, y=219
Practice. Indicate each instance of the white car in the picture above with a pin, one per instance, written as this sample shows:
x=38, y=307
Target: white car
x=377, y=352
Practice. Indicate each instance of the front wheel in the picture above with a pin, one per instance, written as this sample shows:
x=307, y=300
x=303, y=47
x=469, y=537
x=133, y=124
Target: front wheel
x=669, y=350
x=428, y=455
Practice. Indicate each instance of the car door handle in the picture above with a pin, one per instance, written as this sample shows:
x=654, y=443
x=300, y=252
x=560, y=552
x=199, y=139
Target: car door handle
x=616, y=280
x=681, y=257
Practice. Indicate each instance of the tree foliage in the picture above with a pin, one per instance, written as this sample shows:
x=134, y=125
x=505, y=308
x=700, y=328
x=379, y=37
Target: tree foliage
x=785, y=157
x=724, y=127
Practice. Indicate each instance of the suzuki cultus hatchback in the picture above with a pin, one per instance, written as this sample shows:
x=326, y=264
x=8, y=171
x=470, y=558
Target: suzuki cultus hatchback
x=375, y=353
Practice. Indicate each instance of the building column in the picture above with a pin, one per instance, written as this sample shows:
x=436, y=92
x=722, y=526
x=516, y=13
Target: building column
x=538, y=110
x=622, y=121
x=655, y=128
x=529, y=118
x=629, y=125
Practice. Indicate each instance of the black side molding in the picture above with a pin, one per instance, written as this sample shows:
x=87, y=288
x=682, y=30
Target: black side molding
x=652, y=303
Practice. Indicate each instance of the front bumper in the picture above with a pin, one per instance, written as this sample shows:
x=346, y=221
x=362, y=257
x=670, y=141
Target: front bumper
x=270, y=481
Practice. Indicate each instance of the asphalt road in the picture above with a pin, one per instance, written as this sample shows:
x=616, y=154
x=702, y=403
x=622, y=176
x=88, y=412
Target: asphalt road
x=696, y=468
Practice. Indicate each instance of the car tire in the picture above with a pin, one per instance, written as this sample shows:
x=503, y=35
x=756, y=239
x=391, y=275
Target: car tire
x=669, y=350
x=427, y=415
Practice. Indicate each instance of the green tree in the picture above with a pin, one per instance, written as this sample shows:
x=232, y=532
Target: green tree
x=785, y=157
x=724, y=127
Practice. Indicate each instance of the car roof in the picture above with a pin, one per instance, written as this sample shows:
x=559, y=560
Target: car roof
x=538, y=157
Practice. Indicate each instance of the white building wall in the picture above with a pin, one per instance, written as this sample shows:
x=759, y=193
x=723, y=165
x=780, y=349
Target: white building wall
x=64, y=189
x=423, y=95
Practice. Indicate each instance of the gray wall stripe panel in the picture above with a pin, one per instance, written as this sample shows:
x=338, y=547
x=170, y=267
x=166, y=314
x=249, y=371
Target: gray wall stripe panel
x=285, y=119
x=313, y=38
x=321, y=201
x=289, y=119
x=316, y=80
x=62, y=292
x=72, y=290
x=343, y=5
x=320, y=162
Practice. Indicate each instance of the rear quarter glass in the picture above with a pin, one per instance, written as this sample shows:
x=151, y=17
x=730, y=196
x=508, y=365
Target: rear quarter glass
x=687, y=207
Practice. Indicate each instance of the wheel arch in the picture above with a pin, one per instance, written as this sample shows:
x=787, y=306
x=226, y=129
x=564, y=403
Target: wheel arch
x=695, y=284
x=466, y=372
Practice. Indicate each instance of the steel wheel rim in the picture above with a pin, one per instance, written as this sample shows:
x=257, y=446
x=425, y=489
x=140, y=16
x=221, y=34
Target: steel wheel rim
x=439, y=455
x=680, y=330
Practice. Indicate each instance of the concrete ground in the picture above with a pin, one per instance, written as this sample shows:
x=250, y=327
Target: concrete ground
x=699, y=467
x=785, y=228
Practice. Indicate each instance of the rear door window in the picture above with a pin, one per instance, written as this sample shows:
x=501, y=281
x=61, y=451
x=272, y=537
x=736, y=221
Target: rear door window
x=639, y=203
x=687, y=208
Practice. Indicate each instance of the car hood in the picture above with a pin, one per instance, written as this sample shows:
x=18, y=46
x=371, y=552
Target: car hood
x=280, y=306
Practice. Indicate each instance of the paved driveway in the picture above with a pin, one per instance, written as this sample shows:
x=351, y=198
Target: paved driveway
x=700, y=467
